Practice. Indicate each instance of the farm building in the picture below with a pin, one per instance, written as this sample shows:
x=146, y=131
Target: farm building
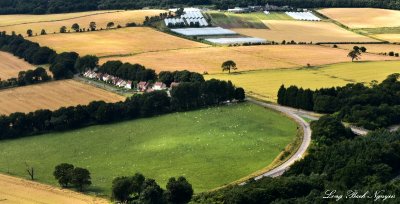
x=192, y=17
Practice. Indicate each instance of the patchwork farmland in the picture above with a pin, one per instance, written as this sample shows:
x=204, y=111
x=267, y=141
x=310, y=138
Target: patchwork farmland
x=265, y=84
x=247, y=58
x=52, y=23
x=10, y=66
x=209, y=147
x=177, y=124
x=123, y=41
x=304, y=31
x=51, y=95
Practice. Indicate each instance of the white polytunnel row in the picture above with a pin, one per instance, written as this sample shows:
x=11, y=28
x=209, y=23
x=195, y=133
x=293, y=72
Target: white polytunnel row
x=304, y=16
x=203, y=31
x=230, y=41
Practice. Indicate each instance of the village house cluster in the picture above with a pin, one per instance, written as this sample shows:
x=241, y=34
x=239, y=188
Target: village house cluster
x=142, y=86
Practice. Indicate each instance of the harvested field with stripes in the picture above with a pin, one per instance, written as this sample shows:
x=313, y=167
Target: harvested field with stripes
x=10, y=66
x=304, y=31
x=52, y=95
x=52, y=23
x=123, y=41
x=246, y=57
x=363, y=17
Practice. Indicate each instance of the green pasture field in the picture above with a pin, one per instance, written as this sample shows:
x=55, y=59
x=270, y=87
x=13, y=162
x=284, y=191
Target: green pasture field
x=210, y=147
x=245, y=20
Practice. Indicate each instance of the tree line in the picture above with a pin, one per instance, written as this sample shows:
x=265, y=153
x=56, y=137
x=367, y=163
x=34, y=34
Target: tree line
x=61, y=65
x=26, y=78
x=65, y=65
x=372, y=106
x=208, y=93
x=372, y=165
x=60, y=6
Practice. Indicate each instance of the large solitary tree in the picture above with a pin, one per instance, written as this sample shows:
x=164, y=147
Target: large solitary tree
x=228, y=66
x=110, y=25
x=354, y=55
x=75, y=27
x=29, y=32
x=63, y=174
x=92, y=26
x=81, y=178
x=63, y=29
x=179, y=190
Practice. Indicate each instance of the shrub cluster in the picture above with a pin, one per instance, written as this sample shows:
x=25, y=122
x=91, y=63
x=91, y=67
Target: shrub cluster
x=67, y=174
x=138, y=189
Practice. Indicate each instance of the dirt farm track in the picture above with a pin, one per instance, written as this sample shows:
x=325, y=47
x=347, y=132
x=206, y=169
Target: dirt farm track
x=15, y=190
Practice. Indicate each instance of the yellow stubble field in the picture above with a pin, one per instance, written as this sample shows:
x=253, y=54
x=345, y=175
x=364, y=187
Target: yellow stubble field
x=53, y=22
x=246, y=57
x=304, y=31
x=363, y=17
x=115, y=42
x=52, y=95
x=16, y=190
x=10, y=66
x=395, y=38
x=264, y=84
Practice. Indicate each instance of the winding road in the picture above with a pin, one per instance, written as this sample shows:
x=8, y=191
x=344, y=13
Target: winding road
x=295, y=115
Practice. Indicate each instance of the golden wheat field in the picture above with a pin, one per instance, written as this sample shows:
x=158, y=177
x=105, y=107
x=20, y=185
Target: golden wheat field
x=10, y=66
x=52, y=23
x=363, y=17
x=52, y=95
x=115, y=42
x=246, y=57
x=16, y=190
x=265, y=84
x=304, y=31
x=372, y=48
x=6, y=20
x=389, y=37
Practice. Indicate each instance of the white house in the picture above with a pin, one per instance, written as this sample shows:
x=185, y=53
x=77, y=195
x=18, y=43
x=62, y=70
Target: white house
x=128, y=85
x=159, y=86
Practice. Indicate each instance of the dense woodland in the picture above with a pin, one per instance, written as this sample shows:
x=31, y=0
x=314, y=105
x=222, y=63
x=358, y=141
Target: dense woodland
x=336, y=161
x=62, y=6
x=371, y=106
